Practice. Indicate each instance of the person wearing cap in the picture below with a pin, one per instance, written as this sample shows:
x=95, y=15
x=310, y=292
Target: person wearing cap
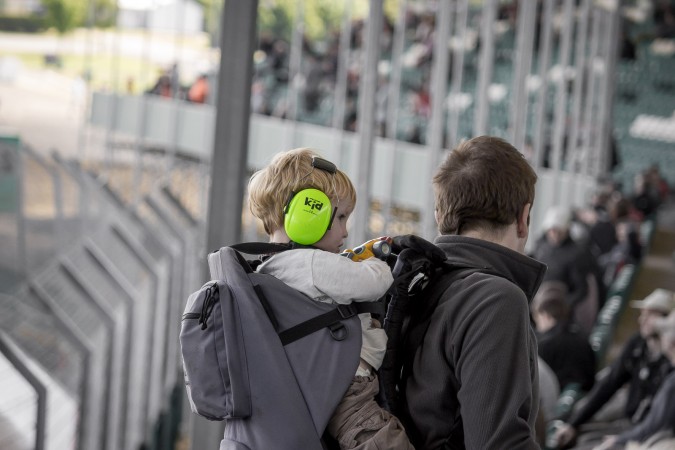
x=659, y=424
x=641, y=365
x=567, y=261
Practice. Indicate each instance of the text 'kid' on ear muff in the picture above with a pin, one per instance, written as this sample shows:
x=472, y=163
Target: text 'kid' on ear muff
x=308, y=215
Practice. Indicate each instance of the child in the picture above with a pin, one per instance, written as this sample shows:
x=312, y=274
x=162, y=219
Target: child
x=315, y=268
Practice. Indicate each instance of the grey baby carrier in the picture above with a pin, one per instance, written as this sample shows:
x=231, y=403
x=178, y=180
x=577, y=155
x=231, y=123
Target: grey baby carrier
x=269, y=361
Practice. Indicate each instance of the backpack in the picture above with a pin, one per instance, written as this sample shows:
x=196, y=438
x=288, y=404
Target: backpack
x=422, y=274
x=268, y=360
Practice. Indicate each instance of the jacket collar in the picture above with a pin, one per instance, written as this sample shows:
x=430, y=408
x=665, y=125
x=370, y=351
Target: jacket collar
x=523, y=271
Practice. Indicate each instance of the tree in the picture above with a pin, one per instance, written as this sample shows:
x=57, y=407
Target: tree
x=64, y=15
x=104, y=13
x=275, y=17
x=212, y=11
x=278, y=17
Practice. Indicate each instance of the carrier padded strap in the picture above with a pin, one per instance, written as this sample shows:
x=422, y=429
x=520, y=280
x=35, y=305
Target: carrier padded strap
x=260, y=248
x=412, y=341
x=334, y=316
x=420, y=323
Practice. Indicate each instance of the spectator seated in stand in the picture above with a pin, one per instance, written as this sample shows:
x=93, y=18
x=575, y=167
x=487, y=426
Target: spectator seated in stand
x=162, y=87
x=600, y=217
x=658, y=183
x=627, y=250
x=561, y=345
x=657, y=430
x=645, y=197
x=570, y=263
x=641, y=366
x=199, y=91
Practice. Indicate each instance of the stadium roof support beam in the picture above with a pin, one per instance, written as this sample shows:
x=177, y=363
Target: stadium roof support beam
x=539, y=140
x=560, y=113
x=393, y=100
x=611, y=43
x=581, y=40
x=458, y=51
x=439, y=88
x=366, y=119
x=230, y=151
x=485, y=66
x=589, y=118
x=344, y=56
x=295, y=61
x=233, y=111
x=344, y=51
x=524, y=47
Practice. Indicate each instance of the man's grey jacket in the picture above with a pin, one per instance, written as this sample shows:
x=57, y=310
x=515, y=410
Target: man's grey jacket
x=474, y=381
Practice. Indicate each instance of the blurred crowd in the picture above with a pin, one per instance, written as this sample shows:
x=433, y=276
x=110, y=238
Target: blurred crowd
x=320, y=94
x=317, y=79
x=169, y=85
x=585, y=250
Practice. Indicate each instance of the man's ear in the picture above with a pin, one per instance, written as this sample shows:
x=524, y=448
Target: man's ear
x=436, y=216
x=523, y=223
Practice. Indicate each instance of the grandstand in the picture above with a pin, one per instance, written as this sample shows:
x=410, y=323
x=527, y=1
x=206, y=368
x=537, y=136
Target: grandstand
x=98, y=253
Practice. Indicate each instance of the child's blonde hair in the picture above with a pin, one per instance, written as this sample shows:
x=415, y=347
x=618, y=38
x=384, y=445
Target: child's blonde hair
x=269, y=189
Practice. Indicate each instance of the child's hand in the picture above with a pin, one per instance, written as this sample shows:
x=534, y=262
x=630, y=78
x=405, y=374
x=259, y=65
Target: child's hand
x=378, y=248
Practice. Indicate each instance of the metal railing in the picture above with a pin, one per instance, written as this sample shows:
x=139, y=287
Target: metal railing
x=95, y=306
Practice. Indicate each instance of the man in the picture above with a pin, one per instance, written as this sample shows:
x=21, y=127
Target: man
x=566, y=260
x=659, y=424
x=572, y=263
x=561, y=345
x=474, y=379
x=640, y=364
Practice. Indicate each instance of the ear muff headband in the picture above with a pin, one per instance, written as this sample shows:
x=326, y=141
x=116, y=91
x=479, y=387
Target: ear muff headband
x=309, y=214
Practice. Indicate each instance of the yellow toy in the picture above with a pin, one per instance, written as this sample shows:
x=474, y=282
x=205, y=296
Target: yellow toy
x=378, y=248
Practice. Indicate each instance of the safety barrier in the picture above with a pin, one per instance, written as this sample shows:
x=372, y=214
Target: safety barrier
x=89, y=334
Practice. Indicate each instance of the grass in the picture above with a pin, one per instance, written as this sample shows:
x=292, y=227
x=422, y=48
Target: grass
x=93, y=52
x=107, y=71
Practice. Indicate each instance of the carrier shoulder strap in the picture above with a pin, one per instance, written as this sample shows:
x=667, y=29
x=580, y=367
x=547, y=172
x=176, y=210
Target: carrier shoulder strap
x=260, y=248
x=330, y=320
x=417, y=329
x=420, y=321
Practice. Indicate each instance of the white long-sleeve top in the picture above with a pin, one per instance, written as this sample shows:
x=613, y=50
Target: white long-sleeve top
x=328, y=277
x=331, y=278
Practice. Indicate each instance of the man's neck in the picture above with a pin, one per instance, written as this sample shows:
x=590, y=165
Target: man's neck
x=507, y=237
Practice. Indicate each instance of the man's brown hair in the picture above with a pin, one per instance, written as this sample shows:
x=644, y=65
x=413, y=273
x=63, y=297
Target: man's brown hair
x=484, y=183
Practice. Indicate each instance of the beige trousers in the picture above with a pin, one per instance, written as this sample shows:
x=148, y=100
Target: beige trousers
x=359, y=423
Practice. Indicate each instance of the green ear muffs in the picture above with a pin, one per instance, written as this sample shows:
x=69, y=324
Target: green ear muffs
x=309, y=215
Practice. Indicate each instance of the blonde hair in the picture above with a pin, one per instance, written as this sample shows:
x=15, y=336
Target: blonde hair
x=269, y=189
